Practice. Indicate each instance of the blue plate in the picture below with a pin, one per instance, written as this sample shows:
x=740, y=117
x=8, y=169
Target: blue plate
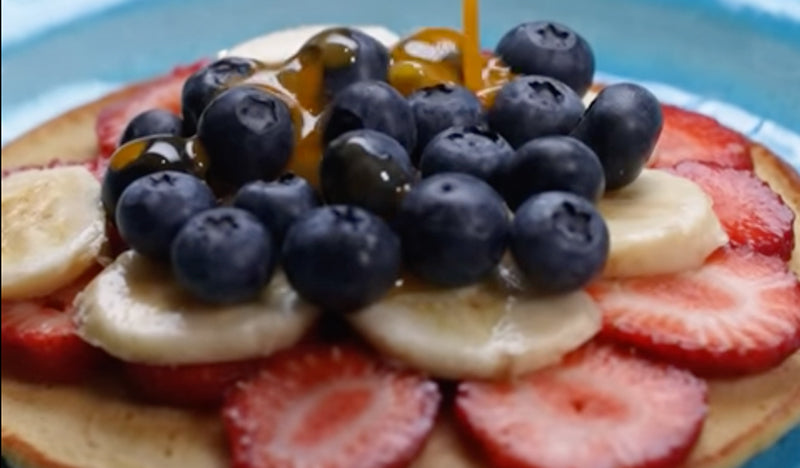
x=737, y=60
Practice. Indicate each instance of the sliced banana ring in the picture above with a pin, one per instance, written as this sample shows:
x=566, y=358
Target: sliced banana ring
x=53, y=229
x=477, y=331
x=661, y=223
x=136, y=311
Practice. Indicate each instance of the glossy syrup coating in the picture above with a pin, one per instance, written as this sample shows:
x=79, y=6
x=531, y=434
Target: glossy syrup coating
x=367, y=169
x=139, y=158
x=307, y=80
x=432, y=56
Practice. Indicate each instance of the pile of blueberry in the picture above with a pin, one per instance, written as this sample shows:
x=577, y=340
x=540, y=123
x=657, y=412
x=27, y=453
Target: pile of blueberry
x=433, y=185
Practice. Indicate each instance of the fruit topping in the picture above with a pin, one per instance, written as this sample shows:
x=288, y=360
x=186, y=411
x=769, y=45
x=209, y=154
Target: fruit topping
x=738, y=313
x=328, y=114
x=750, y=212
x=277, y=204
x=209, y=81
x=474, y=150
x=139, y=158
x=372, y=105
x=559, y=163
x=341, y=257
x=601, y=407
x=454, y=229
x=480, y=331
x=550, y=49
x=695, y=137
x=661, y=223
x=162, y=93
x=248, y=134
x=137, y=311
x=39, y=340
x=224, y=255
x=368, y=169
x=621, y=125
x=349, y=55
x=329, y=406
x=529, y=107
x=441, y=106
x=53, y=229
x=154, y=208
x=151, y=123
x=191, y=385
x=559, y=241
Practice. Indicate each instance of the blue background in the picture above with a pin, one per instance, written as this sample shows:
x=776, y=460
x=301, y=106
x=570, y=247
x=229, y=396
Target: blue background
x=738, y=60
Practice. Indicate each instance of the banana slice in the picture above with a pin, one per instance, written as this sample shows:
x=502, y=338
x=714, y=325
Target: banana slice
x=280, y=45
x=661, y=223
x=135, y=310
x=53, y=229
x=477, y=331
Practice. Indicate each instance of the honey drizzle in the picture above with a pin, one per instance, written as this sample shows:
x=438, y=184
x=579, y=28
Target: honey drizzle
x=471, y=56
x=428, y=57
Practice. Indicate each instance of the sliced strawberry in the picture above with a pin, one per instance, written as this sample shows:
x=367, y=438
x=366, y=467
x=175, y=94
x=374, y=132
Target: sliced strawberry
x=97, y=166
x=187, y=385
x=160, y=93
x=329, y=407
x=739, y=313
x=39, y=341
x=690, y=136
x=751, y=213
x=601, y=407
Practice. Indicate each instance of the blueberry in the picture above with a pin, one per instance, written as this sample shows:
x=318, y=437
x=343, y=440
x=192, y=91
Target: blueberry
x=277, y=204
x=559, y=241
x=205, y=84
x=154, y=208
x=553, y=163
x=441, y=106
x=622, y=126
x=248, y=134
x=150, y=123
x=223, y=255
x=341, y=257
x=139, y=158
x=368, y=169
x=529, y=107
x=477, y=151
x=373, y=105
x=549, y=49
x=349, y=55
x=454, y=229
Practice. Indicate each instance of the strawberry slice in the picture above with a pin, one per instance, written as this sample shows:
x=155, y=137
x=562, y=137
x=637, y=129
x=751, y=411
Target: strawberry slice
x=39, y=342
x=739, y=313
x=329, y=407
x=160, y=93
x=750, y=212
x=694, y=137
x=195, y=385
x=600, y=407
x=97, y=166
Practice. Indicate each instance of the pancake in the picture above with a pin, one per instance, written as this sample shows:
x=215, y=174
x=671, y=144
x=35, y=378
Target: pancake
x=97, y=425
